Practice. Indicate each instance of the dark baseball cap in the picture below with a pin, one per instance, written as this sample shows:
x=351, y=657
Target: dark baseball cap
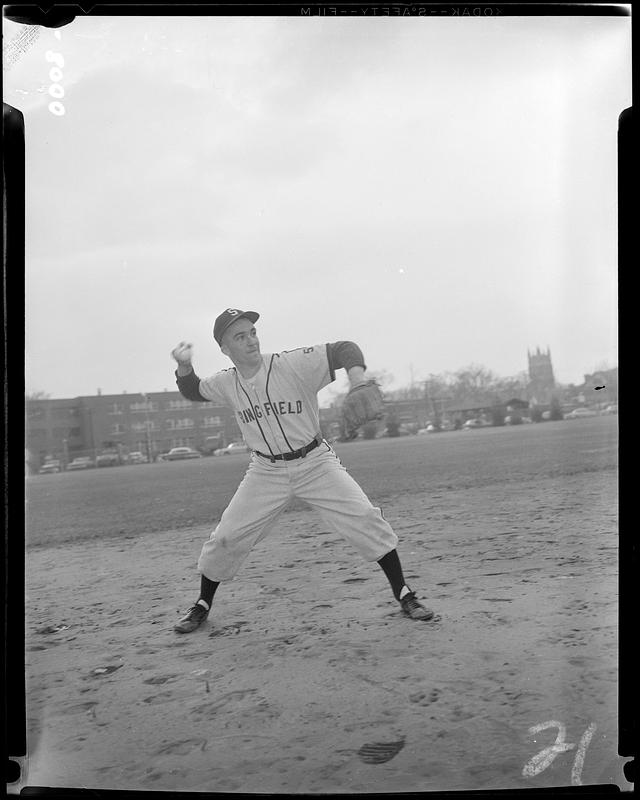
x=228, y=317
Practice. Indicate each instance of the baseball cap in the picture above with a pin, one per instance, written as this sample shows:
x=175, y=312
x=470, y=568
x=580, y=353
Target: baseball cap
x=228, y=317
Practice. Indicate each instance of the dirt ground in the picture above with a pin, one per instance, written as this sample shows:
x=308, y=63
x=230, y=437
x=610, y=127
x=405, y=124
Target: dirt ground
x=307, y=678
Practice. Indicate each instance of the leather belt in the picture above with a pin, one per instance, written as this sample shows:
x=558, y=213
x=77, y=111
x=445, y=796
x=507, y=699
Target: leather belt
x=301, y=453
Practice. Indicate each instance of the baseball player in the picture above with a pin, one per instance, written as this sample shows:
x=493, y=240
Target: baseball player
x=275, y=400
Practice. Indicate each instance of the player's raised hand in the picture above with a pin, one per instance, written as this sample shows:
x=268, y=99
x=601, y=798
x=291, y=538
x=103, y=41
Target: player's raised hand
x=183, y=353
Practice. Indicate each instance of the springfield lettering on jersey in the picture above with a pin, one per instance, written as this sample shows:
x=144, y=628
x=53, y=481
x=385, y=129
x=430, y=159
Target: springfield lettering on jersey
x=277, y=408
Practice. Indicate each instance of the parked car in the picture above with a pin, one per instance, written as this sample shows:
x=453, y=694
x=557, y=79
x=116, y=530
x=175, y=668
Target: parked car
x=578, y=413
x=81, y=462
x=232, y=449
x=392, y=430
x=177, y=453
x=136, y=457
x=473, y=423
x=108, y=459
x=612, y=409
x=432, y=427
x=211, y=444
x=50, y=467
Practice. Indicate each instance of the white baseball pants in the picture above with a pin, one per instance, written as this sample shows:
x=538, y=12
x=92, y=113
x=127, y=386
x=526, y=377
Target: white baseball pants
x=321, y=480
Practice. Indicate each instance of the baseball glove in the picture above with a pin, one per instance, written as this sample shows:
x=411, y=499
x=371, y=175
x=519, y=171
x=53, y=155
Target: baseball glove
x=364, y=403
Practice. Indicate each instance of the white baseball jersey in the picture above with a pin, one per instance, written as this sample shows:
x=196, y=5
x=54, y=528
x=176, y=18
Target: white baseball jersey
x=276, y=409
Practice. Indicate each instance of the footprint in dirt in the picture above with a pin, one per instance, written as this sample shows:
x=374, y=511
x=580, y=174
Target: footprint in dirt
x=101, y=672
x=424, y=698
x=280, y=642
x=380, y=752
x=229, y=630
x=579, y=661
x=460, y=714
x=491, y=616
x=155, y=699
x=220, y=702
x=78, y=708
x=183, y=747
x=354, y=580
x=52, y=629
x=160, y=679
x=153, y=775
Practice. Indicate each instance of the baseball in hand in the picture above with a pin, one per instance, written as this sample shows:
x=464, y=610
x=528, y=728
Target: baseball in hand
x=183, y=353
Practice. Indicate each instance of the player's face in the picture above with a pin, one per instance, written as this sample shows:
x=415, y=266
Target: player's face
x=240, y=343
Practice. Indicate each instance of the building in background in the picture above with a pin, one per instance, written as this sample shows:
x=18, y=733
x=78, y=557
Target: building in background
x=53, y=429
x=154, y=422
x=151, y=423
x=542, y=384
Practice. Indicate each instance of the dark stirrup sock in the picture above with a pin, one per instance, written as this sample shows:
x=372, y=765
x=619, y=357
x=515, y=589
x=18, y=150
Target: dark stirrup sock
x=207, y=589
x=392, y=568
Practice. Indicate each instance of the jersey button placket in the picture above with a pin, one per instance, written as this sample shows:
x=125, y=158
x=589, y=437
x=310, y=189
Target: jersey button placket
x=265, y=417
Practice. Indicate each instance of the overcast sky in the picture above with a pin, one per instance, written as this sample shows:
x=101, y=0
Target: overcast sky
x=441, y=191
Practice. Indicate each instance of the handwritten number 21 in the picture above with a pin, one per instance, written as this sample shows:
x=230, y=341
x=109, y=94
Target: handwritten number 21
x=545, y=757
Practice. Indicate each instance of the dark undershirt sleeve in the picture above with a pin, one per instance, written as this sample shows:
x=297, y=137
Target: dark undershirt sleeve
x=344, y=355
x=189, y=387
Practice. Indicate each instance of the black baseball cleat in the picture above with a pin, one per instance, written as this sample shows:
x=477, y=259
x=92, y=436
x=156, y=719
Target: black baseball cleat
x=193, y=619
x=412, y=608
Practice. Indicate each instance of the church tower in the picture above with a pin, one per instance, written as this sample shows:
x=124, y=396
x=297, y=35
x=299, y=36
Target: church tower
x=541, y=381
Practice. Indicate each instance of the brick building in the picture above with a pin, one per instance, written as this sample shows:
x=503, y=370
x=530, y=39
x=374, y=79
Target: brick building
x=53, y=427
x=151, y=423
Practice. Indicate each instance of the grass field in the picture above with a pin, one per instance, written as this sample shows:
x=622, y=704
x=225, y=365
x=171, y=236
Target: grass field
x=127, y=501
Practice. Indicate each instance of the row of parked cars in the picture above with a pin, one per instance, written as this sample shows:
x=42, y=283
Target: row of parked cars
x=136, y=457
x=470, y=424
x=178, y=453
x=88, y=462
